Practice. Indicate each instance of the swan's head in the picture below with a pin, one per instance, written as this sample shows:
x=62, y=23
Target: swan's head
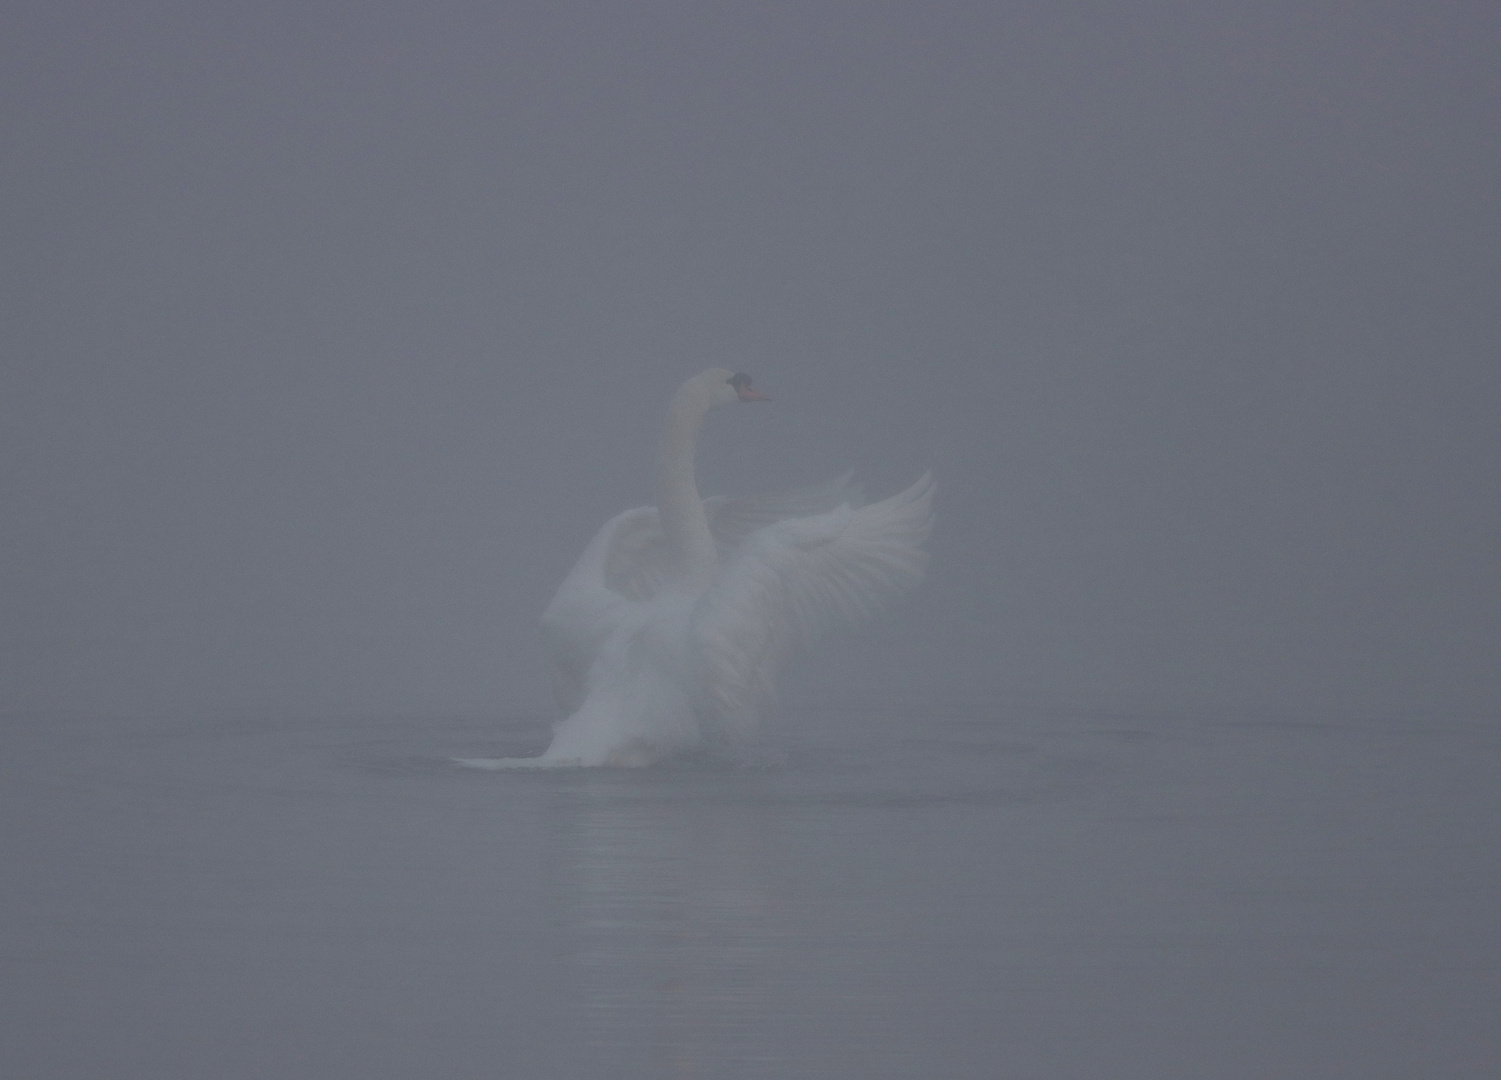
x=720, y=386
x=743, y=392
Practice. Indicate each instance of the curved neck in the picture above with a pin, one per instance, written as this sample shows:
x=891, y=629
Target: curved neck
x=679, y=508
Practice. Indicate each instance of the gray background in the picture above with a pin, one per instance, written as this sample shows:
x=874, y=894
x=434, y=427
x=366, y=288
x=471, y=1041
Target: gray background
x=332, y=331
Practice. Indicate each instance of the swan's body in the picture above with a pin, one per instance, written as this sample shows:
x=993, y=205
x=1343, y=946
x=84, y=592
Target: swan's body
x=667, y=633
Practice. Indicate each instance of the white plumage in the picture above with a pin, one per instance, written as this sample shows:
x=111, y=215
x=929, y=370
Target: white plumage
x=668, y=632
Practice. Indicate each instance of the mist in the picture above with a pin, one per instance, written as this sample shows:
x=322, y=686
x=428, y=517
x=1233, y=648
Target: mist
x=332, y=333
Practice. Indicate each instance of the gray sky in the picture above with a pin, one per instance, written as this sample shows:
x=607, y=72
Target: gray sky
x=332, y=331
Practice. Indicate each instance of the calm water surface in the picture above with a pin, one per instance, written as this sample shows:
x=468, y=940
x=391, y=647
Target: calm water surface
x=901, y=893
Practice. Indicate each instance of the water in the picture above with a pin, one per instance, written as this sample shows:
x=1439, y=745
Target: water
x=905, y=893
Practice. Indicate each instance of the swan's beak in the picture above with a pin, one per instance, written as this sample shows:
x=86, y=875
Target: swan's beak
x=745, y=393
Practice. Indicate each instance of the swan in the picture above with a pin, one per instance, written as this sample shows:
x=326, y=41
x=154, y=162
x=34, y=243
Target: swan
x=666, y=636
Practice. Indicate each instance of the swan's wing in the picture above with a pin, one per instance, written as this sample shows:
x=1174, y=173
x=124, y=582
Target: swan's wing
x=792, y=579
x=630, y=555
x=733, y=520
x=593, y=599
x=637, y=557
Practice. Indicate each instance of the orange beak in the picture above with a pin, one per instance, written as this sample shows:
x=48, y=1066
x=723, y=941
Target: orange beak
x=745, y=393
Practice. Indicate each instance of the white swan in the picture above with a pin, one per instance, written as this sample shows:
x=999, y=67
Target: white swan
x=668, y=632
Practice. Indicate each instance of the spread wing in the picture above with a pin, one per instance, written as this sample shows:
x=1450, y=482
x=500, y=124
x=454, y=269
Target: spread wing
x=637, y=558
x=628, y=560
x=732, y=520
x=587, y=608
x=792, y=579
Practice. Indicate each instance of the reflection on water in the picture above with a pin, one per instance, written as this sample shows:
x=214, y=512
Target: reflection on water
x=673, y=920
x=906, y=894
x=756, y=922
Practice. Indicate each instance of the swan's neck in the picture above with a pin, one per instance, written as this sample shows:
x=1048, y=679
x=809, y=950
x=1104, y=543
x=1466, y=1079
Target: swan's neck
x=680, y=509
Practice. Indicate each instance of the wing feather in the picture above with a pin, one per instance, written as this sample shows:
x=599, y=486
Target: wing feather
x=732, y=520
x=791, y=580
x=637, y=559
x=793, y=563
x=588, y=606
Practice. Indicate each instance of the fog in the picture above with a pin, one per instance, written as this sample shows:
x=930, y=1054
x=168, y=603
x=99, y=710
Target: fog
x=333, y=331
